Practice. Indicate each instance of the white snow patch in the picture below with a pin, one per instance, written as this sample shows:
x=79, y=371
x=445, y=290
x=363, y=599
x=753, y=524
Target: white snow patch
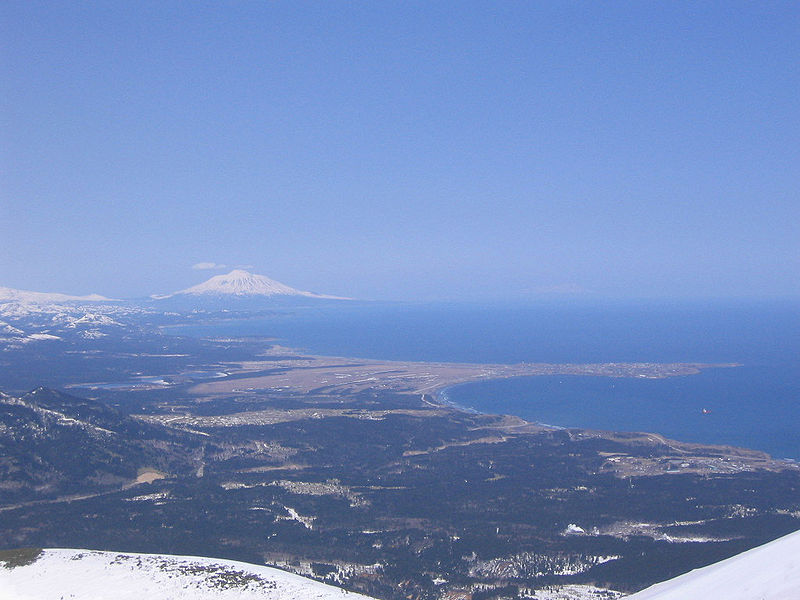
x=42, y=336
x=576, y=592
x=307, y=522
x=92, y=334
x=573, y=529
x=149, y=497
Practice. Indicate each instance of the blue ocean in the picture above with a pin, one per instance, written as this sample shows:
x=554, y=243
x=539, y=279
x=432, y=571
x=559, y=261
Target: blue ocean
x=755, y=405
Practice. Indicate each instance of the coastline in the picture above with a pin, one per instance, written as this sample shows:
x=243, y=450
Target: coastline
x=720, y=408
x=339, y=377
x=308, y=372
x=446, y=401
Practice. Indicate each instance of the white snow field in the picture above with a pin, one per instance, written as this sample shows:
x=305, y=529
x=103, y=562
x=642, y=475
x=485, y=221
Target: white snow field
x=92, y=575
x=768, y=572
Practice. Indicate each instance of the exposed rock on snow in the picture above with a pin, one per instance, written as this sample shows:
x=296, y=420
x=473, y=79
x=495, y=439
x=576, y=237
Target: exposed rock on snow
x=93, y=575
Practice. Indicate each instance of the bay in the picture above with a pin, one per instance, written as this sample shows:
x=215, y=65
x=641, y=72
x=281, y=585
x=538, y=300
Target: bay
x=751, y=407
x=756, y=405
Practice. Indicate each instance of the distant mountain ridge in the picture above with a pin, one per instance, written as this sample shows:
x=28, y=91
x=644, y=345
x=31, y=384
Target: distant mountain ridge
x=27, y=297
x=238, y=283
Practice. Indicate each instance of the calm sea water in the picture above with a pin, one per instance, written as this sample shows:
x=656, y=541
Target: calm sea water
x=756, y=405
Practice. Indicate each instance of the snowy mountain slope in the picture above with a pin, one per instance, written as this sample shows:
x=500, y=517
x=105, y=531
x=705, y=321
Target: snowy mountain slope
x=243, y=283
x=26, y=297
x=93, y=575
x=22, y=323
x=34, y=314
x=768, y=572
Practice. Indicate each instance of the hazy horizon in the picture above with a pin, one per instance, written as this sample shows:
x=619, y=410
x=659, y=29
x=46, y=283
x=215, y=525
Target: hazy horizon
x=403, y=151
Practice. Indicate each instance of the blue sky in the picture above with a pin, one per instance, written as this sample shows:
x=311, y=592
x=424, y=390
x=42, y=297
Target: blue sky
x=406, y=150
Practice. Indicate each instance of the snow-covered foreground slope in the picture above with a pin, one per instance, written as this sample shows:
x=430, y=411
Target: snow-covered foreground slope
x=768, y=572
x=93, y=575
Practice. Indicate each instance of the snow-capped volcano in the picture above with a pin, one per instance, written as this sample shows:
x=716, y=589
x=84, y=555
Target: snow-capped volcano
x=26, y=297
x=244, y=283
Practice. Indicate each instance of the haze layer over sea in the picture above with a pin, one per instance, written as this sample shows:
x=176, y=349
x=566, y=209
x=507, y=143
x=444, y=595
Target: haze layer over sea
x=756, y=405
